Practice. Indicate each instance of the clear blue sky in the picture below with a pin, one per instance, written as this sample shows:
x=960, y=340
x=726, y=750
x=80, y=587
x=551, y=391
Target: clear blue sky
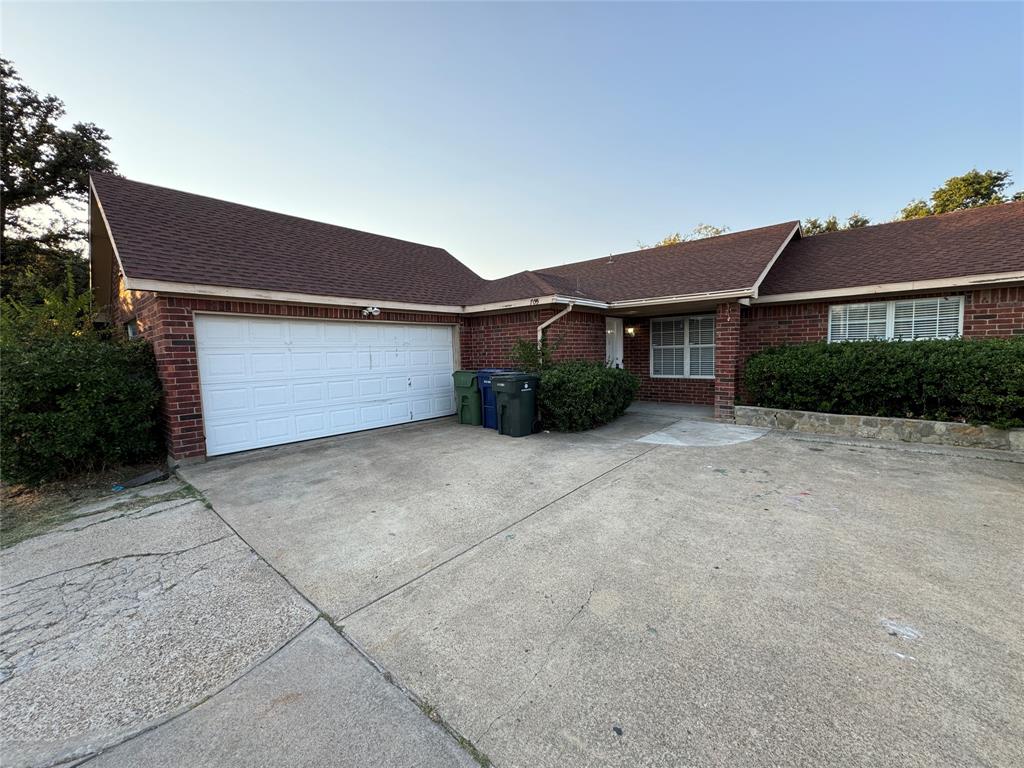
x=525, y=135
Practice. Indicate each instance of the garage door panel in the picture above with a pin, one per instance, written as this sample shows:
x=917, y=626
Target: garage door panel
x=338, y=333
x=267, y=331
x=266, y=381
x=229, y=399
x=367, y=334
x=344, y=419
x=230, y=434
x=269, y=396
x=371, y=415
x=220, y=330
x=307, y=362
x=341, y=390
x=268, y=363
x=310, y=424
x=341, y=361
x=302, y=333
x=225, y=365
x=310, y=392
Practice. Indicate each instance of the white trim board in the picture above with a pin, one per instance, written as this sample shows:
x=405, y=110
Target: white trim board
x=969, y=281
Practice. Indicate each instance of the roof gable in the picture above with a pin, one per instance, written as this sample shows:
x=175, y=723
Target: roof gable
x=731, y=263
x=167, y=235
x=978, y=241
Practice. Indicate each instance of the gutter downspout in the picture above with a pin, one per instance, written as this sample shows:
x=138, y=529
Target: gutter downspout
x=549, y=321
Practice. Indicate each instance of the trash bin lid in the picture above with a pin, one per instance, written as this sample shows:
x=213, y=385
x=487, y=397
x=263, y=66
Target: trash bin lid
x=465, y=379
x=515, y=376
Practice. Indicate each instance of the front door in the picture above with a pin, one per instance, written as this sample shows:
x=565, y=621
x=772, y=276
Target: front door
x=613, y=341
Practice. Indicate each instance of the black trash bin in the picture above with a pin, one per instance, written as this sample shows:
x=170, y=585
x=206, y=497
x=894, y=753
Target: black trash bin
x=516, y=396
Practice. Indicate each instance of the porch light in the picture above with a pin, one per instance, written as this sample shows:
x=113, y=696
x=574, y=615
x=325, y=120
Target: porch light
x=630, y=330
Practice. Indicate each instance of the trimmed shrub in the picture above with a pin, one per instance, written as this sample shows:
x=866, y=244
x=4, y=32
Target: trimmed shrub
x=580, y=395
x=980, y=381
x=75, y=403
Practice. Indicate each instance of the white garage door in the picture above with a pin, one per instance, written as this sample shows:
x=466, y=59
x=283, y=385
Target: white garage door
x=267, y=381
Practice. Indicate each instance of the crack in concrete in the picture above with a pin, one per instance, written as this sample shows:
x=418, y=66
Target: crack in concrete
x=107, y=560
x=83, y=759
x=134, y=514
x=543, y=666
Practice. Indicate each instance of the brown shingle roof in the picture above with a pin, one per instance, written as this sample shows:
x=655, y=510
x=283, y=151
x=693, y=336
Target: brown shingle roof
x=730, y=262
x=164, y=234
x=978, y=241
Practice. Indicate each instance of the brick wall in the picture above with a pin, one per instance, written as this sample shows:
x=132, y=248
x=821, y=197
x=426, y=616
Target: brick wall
x=636, y=359
x=487, y=340
x=167, y=323
x=994, y=312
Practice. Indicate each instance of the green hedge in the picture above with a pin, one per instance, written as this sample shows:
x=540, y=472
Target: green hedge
x=580, y=395
x=70, y=404
x=978, y=381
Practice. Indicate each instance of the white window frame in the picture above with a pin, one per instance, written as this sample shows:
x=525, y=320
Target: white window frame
x=685, y=345
x=890, y=317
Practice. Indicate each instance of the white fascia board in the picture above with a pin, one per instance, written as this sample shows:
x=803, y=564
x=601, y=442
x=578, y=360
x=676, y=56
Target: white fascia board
x=771, y=263
x=581, y=302
x=110, y=234
x=252, y=294
x=690, y=297
x=496, y=306
x=969, y=281
x=535, y=301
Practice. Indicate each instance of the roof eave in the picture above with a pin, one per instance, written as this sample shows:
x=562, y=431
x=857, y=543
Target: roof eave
x=911, y=286
x=255, y=294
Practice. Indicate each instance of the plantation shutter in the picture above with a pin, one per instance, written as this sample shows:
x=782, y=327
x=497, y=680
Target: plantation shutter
x=857, y=322
x=927, y=318
x=933, y=318
x=702, y=346
x=683, y=347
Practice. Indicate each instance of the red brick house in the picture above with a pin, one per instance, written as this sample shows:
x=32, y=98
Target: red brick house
x=271, y=329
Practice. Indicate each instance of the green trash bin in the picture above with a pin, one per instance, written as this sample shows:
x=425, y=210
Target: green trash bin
x=516, y=395
x=467, y=398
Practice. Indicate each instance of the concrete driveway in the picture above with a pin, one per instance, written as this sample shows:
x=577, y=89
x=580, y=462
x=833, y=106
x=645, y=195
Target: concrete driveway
x=598, y=600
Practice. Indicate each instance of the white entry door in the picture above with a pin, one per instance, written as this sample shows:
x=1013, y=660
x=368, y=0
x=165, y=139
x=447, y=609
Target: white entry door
x=613, y=341
x=267, y=381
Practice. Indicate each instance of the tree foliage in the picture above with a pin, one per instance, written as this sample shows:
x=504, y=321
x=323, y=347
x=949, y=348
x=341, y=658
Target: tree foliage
x=973, y=189
x=699, y=232
x=44, y=173
x=72, y=398
x=815, y=226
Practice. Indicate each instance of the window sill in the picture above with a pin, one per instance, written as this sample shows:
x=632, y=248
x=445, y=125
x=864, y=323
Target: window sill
x=684, y=378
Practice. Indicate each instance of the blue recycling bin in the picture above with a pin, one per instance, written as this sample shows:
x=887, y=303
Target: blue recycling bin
x=490, y=407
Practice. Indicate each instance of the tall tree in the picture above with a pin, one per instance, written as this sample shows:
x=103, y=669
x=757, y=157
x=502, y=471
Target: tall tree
x=815, y=226
x=44, y=174
x=973, y=189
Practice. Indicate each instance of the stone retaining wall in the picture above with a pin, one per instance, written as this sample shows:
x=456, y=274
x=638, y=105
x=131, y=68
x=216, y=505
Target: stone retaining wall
x=883, y=428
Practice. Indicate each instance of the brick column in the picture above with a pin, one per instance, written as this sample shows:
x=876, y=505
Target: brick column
x=727, y=340
x=173, y=337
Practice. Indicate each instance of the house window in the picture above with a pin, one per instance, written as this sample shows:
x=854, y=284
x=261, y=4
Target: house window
x=939, y=318
x=683, y=347
x=132, y=327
